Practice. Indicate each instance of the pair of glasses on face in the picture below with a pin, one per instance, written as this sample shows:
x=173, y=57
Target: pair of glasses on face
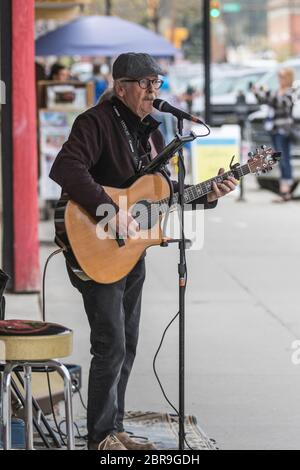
x=145, y=83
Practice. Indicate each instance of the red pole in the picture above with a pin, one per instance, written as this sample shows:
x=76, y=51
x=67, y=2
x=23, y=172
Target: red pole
x=25, y=203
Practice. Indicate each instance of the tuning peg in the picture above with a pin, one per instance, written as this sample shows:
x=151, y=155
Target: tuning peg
x=263, y=147
x=250, y=154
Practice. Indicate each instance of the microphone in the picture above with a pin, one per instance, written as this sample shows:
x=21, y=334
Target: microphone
x=165, y=107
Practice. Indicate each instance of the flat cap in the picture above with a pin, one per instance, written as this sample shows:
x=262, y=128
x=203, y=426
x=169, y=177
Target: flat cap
x=135, y=65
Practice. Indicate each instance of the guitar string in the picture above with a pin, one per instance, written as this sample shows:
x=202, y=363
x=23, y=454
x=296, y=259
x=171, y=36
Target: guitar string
x=145, y=215
x=192, y=192
x=242, y=170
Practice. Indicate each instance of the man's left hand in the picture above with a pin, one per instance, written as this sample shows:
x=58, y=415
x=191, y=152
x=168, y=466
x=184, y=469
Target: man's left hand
x=221, y=189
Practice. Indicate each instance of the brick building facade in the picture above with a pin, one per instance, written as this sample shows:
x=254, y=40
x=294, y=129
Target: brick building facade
x=284, y=27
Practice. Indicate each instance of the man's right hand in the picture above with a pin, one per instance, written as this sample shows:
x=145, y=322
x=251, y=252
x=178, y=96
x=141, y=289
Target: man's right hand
x=124, y=224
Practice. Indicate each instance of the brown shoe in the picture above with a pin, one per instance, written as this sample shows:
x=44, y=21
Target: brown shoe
x=284, y=197
x=111, y=442
x=132, y=444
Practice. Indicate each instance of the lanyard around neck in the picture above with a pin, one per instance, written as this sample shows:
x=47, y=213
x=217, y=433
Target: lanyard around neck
x=128, y=136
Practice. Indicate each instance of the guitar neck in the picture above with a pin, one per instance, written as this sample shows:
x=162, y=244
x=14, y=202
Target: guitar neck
x=202, y=189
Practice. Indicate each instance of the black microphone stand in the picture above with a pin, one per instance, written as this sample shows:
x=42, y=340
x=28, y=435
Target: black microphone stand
x=156, y=164
x=182, y=287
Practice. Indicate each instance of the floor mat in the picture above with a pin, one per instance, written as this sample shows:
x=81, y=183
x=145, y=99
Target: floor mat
x=159, y=428
x=162, y=429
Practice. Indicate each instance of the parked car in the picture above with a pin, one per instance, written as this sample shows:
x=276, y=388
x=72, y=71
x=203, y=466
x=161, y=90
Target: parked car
x=186, y=74
x=270, y=80
x=227, y=84
x=225, y=92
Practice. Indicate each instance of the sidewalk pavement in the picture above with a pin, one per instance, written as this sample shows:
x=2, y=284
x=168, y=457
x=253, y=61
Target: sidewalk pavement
x=242, y=315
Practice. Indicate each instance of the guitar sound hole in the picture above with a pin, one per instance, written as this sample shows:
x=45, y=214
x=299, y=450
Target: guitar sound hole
x=146, y=214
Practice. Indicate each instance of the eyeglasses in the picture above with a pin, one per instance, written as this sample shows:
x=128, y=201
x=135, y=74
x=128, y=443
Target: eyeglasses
x=145, y=83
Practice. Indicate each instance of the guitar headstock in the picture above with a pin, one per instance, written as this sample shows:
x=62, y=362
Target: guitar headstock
x=263, y=160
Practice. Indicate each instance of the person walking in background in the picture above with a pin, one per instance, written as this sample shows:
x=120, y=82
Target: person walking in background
x=279, y=124
x=100, y=79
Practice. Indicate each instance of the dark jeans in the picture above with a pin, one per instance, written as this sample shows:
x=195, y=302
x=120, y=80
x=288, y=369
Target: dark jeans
x=282, y=144
x=113, y=312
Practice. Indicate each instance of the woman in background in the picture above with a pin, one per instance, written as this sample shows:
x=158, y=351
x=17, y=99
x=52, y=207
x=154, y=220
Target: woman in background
x=279, y=123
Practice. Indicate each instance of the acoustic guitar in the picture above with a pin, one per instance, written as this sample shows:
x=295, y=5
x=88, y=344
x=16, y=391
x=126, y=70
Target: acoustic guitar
x=99, y=252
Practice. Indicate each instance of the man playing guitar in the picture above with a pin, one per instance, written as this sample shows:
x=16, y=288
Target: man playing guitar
x=103, y=149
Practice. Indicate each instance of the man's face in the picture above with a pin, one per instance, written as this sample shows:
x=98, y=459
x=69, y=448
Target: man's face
x=139, y=100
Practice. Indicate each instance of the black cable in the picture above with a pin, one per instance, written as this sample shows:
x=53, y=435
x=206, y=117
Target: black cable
x=52, y=410
x=56, y=252
x=154, y=363
x=79, y=435
x=48, y=378
x=80, y=396
x=208, y=131
x=58, y=425
x=180, y=418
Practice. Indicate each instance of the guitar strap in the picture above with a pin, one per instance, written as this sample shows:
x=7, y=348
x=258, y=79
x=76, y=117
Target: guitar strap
x=139, y=161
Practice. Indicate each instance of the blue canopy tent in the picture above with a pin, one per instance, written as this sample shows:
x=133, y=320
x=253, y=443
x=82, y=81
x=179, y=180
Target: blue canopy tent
x=105, y=36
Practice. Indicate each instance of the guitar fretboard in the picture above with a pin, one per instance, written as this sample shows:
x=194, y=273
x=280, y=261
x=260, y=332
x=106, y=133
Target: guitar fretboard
x=194, y=192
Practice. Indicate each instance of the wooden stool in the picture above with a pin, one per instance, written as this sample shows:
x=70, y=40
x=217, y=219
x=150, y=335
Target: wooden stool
x=32, y=344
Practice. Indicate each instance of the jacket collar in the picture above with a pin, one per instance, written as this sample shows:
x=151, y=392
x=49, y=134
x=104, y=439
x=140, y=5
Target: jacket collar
x=144, y=127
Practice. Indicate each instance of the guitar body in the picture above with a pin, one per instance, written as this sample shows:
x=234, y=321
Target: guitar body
x=102, y=259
